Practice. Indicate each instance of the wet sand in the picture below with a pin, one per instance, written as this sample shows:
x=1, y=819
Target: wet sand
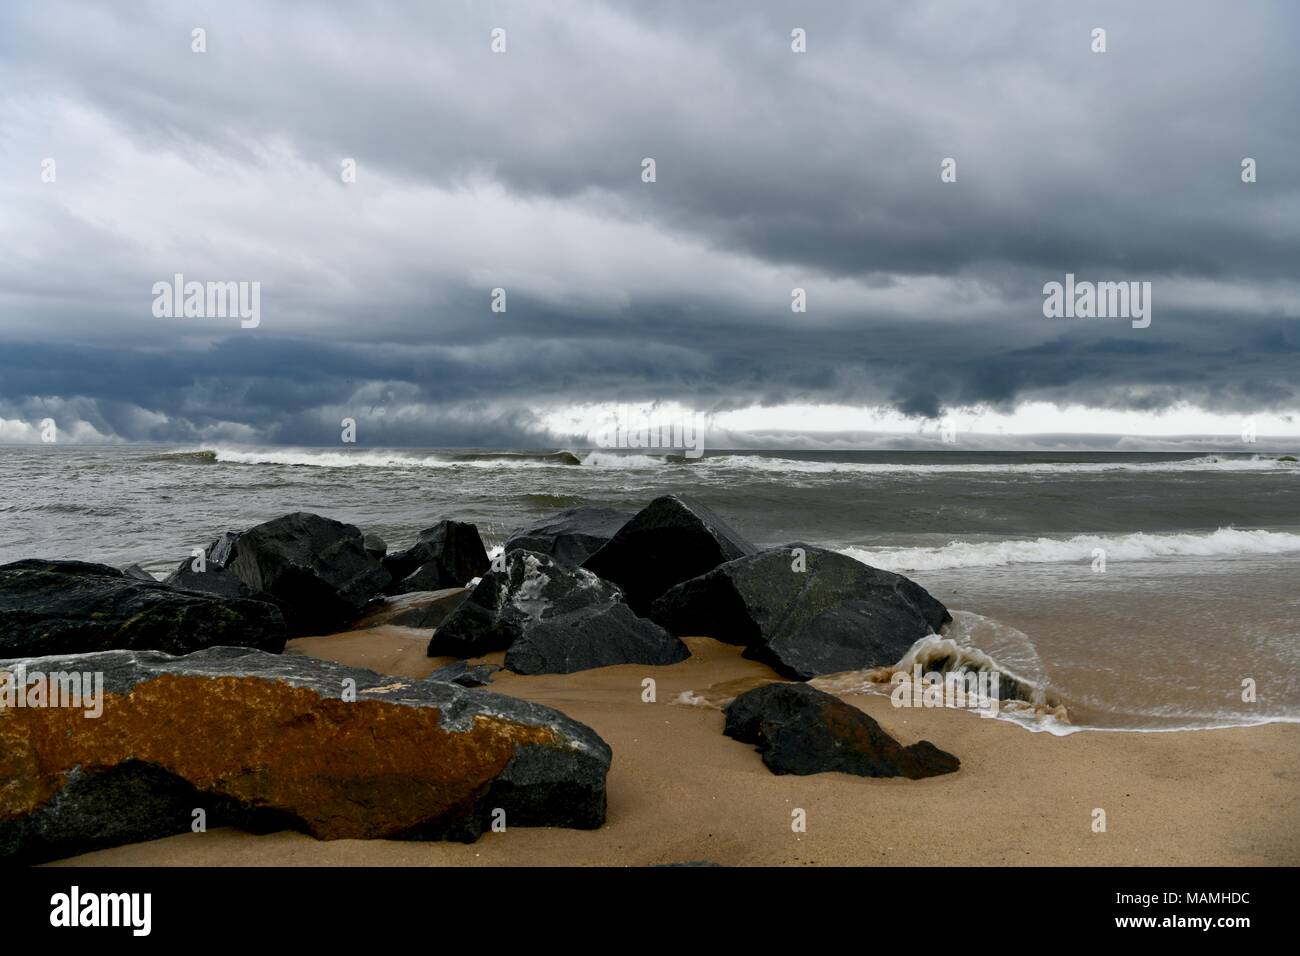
x=680, y=791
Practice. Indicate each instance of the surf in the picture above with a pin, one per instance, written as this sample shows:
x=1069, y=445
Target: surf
x=1139, y=546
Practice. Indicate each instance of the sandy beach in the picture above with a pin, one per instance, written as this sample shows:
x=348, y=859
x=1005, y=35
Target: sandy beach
x=680, y=791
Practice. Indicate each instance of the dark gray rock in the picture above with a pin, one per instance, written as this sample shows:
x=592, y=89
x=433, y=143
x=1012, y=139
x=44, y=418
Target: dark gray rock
x=375, y=546
x=272, y=741
x=316, y=567
x=448, y=555
x=418, y=609
x=836, y=615
x=73, y=607
x=213, y=579
x=666, y=542
x=552, y=620
x=138, y=573
x=221, y=551
x=466, y=675
x=572, y=536
x=127, y=803
x=801, y=730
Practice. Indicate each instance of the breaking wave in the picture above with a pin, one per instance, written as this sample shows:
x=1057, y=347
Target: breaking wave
x=1130, y=547
x=1255, y=463
x=634, y=460
x=381, y=459
x=203, y=456
x=973, y=644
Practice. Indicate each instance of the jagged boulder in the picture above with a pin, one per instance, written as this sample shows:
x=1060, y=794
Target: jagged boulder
x=801, y=730
x=551, y=619
x=73, y=607
x=212, y=576
x=317, y=568
x=804, y=610
x=666, y=542
x=213, y=579
x=448, y=555
x=572, y=536
x=274, y=741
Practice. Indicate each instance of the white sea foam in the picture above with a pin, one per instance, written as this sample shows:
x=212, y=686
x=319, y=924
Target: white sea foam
x=375, y=459
x=603, y=459
x=530, y=597
x=1129, y=547
x=721, y=463
x=973, y=642
x=1256, y=463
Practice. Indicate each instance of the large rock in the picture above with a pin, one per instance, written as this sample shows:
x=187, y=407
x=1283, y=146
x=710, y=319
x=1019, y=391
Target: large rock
x=837, y=614
x=74, y=607
x=667, y=542
x=213, y=579
x=448, y=555
x=801, y=730
x=316, y=567
x=572, y=536
x=270, y=741
x=418, y=609
x=551, y=619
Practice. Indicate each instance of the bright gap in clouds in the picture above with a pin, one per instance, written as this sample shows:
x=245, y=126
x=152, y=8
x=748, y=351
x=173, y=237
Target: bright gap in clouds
x=1027, y=418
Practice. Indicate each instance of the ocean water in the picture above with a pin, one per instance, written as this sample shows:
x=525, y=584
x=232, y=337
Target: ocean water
x=1200, y=592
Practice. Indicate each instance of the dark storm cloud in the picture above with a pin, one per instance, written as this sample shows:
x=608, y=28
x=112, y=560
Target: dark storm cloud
x=775, y=170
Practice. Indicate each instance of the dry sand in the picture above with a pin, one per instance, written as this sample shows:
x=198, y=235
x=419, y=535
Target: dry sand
x=681, y=791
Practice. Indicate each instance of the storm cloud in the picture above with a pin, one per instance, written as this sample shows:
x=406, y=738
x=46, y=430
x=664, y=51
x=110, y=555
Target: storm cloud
x=522, y=171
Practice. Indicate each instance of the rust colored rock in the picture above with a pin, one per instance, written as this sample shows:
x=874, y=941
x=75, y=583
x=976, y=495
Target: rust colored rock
x=268, y=741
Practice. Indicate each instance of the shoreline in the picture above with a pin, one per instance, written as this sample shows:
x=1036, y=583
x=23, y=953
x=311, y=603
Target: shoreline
x=680, y=791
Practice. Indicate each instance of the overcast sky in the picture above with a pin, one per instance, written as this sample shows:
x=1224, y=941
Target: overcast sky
x=522, y=170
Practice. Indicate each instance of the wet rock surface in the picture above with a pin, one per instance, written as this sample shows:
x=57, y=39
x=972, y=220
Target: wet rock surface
x=552, y=619
x=801, y=730
x=668, y=541
x=572, y=536
x=317, y=568
x=68, y=607
x=448, y=555
x=836, y=614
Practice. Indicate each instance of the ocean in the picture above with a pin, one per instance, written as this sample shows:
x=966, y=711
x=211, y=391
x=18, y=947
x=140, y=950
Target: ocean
x=1197, y=604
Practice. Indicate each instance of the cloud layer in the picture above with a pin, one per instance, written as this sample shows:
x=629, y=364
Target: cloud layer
x=522, y=171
